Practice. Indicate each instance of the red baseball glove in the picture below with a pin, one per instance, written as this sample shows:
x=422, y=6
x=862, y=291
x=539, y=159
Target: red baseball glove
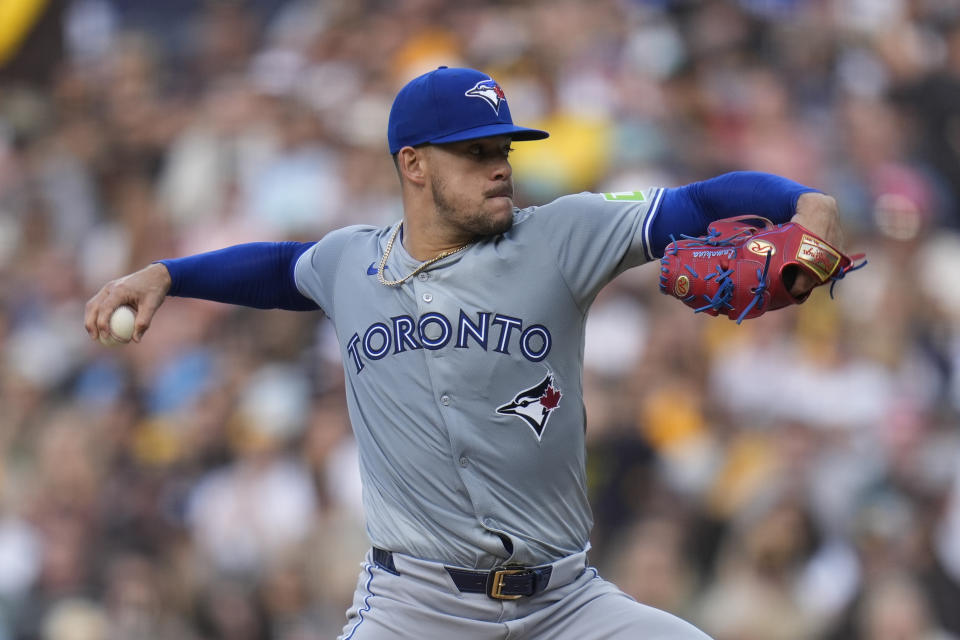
x=746, y=265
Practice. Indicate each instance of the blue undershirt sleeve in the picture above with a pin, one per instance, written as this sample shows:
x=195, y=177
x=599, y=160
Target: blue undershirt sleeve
x=691, y=208
x=257, y=274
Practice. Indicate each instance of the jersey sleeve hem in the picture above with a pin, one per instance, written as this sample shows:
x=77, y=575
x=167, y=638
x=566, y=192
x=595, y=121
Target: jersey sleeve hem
x=316, y=270
x=648, y=223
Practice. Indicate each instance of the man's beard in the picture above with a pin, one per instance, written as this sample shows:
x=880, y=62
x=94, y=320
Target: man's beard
x=475, y=223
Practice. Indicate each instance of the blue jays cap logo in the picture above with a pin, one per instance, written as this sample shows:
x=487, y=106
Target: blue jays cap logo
x=534, y=405
x=439, y=107
x=489, y=91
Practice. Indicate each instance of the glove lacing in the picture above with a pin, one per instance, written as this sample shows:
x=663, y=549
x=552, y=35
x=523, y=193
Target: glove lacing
x=843, y=272
x=759, y=290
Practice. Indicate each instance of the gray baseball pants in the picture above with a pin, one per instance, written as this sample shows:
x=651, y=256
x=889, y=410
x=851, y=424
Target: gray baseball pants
x=423, y=603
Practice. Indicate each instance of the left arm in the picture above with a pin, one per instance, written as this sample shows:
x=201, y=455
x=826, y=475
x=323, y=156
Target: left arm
x=690, y=209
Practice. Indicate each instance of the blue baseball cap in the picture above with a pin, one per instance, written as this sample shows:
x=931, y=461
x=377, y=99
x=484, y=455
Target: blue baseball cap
x=450, y=105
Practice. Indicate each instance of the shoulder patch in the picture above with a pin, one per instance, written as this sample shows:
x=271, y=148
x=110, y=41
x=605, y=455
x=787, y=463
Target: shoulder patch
x=624, y=196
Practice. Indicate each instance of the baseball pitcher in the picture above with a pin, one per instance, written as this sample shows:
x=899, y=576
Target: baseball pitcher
x=461, y=328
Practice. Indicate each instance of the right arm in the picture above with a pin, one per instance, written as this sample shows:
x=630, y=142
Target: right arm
x=259, y=274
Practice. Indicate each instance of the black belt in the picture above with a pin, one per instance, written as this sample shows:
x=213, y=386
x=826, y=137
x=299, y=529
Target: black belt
x=508, y=582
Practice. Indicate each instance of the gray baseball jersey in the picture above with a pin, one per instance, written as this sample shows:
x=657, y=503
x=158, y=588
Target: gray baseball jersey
x=464, y=383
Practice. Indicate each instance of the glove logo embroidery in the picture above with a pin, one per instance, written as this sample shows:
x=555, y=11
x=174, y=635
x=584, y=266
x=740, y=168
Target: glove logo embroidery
x=714, y=253
x=820, y=257
x=534, y=405
x=682, y=286
x=762, y=247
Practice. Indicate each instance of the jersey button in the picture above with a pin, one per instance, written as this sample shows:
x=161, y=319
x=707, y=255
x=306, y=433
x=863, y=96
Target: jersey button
x=445, y=400
x=423, y=276
x=463, y=461
x=428, y=297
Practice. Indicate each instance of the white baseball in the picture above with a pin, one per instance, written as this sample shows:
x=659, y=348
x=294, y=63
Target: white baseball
x=121, y=324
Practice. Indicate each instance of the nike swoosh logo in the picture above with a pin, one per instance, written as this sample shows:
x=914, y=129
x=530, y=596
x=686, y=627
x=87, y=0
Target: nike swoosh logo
x=372, y=269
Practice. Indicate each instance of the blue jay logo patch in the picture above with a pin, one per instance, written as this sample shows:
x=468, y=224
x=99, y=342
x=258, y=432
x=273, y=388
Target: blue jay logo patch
x=534, y=405
x=490, y=92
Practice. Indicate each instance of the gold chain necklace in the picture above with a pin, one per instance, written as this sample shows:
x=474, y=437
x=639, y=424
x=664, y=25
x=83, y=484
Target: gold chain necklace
x=424, y=265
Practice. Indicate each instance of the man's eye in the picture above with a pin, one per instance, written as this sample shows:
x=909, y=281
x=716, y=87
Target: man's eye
x=479, y=151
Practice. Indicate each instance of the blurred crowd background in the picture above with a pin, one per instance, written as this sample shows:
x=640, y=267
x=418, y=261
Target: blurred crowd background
x=793, y=478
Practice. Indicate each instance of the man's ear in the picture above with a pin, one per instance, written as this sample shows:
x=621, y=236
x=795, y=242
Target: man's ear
x=411, y=163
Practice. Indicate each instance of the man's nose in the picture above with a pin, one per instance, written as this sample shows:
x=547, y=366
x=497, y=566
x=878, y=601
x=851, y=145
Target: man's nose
x=502, y=170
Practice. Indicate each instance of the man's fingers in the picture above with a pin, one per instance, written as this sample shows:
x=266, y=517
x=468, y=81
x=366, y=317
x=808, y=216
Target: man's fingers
x=143, y=290
x=96, y=317
x=90, y=317
x=145, y=311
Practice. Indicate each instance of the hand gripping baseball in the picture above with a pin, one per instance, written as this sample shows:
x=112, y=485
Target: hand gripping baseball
x=143, y=290
x=746, y=266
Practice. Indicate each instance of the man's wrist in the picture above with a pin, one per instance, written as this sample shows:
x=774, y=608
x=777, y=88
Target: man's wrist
x=818, y=213
x=160, y=274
